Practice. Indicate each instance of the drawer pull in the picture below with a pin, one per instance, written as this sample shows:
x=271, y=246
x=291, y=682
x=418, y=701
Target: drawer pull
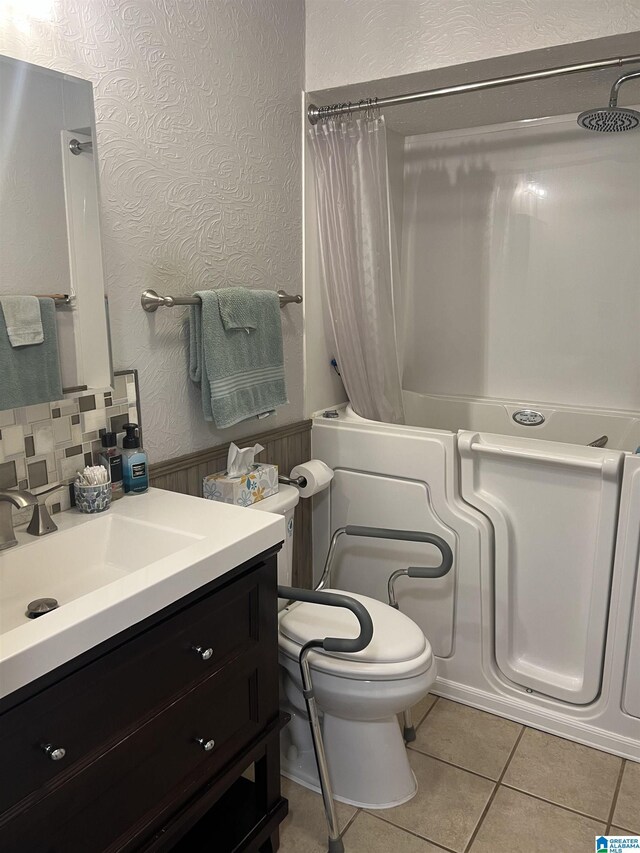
x=55, y=753
x=207, y=745
x=205, y=654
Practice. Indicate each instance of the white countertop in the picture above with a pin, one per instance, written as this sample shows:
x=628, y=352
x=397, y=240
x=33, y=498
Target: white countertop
x=222, y=537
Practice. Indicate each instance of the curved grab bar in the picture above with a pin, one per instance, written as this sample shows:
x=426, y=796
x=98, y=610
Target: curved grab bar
x=390, y=533
x=334, y=599
x=410, y=536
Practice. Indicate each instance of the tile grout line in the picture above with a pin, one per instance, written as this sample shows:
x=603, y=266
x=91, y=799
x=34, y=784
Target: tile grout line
x=492, y=796
x=552, y=803
x=616, y=793
x=451, y=764
x=350, y=821
x=429, y=710
x=410, y=832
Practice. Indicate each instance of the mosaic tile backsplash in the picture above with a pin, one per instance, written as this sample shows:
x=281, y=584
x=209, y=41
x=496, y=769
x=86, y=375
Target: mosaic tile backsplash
x=45, y=445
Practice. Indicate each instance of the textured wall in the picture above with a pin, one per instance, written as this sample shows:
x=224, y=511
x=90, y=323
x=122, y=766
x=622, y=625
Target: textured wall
x=350, y=41
x=198, y=126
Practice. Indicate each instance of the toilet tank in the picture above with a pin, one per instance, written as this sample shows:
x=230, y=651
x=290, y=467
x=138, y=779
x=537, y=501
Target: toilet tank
x=284, y=503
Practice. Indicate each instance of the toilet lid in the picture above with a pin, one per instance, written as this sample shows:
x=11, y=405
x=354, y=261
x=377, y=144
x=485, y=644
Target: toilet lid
x=396, y=638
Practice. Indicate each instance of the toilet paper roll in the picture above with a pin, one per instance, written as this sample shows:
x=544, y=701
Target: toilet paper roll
x=316, y=473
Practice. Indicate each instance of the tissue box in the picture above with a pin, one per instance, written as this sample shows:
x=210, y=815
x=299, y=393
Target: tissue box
x=261, y=482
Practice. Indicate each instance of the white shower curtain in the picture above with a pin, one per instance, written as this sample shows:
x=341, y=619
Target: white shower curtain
x=355, y=231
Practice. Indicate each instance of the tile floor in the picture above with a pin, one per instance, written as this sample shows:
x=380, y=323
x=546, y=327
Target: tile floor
x=485, y=784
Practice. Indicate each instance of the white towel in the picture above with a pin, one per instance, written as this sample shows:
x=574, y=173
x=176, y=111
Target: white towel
x=22, y=320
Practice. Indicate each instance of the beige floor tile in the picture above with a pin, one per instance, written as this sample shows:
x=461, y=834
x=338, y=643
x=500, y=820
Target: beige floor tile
x=304, y=830
x=521, y=824
x=617, y=830
x=448, y=805
x=420, y=709
x=565, y=773
x=368, y=834
x=627, y=811
x=467, y=737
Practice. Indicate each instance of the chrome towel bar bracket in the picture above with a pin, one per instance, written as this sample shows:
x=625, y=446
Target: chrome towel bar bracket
x=151, y=301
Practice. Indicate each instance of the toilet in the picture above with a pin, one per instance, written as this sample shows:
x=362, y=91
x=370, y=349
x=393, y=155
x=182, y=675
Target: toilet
x=359, y=694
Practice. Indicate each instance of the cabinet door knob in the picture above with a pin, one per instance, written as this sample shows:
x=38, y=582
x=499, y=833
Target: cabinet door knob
x=207, y=745
x=55, y=753
x=205, y=654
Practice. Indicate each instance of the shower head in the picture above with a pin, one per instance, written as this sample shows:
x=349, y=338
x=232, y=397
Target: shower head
x=612, y=119
x=609, y=119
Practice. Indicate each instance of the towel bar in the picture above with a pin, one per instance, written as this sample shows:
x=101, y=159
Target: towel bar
x=151, y=301
x=58, y=298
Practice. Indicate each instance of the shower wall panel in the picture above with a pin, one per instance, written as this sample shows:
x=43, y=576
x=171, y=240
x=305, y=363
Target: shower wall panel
x=520, y=264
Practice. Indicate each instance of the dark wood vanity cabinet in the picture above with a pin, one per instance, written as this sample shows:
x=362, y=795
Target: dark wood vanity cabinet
x=141, y=743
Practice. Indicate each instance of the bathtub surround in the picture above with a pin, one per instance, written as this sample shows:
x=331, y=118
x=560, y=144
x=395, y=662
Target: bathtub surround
x=505, y=234
x=573, y=93
x=198, y=139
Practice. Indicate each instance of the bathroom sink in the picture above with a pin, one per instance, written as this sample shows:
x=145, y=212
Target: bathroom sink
x=74, y=562
x=112, y=570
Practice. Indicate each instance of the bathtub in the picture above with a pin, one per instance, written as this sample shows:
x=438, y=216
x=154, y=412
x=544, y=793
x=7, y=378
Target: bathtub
x=567, y=424
x=540, y=621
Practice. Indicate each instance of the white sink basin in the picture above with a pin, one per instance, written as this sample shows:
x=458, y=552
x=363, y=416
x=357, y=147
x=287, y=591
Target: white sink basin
x=112, y=570
x=71, y=563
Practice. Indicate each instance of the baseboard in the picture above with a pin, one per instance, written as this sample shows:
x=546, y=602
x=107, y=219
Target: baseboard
x=545, y=720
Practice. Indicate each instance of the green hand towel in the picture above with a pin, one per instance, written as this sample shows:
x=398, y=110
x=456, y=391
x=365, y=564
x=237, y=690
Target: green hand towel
x=241, y=374
x=30, y=374
x=237, y=308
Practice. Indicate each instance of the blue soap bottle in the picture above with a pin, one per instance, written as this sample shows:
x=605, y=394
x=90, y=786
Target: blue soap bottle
x=135, y=468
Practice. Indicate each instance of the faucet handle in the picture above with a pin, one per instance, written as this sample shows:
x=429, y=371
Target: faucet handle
x=41, y=522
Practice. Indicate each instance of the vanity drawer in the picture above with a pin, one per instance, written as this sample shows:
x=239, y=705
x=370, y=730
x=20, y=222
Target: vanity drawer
x=136, y=781
x=98, y=704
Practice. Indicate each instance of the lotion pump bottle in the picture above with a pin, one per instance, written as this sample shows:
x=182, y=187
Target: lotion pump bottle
x=134, y=462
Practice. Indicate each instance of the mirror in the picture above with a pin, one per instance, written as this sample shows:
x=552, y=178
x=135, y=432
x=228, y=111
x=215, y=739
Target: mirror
x=49, y=215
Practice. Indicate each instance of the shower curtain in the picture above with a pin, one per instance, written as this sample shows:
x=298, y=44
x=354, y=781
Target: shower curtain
x=355, y=230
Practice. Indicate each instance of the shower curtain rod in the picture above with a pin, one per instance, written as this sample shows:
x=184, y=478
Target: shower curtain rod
x=314, y=113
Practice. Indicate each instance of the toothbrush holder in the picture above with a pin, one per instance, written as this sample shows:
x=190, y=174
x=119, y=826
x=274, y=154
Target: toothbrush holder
x=92, y=498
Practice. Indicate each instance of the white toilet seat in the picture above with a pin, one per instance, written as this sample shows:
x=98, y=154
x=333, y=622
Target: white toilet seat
x=398, y=649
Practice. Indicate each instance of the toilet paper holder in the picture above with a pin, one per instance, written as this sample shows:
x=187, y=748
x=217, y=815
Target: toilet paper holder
x=301, y=482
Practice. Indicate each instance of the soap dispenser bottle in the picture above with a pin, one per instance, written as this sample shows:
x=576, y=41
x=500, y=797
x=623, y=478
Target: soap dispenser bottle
x=134, y=459
x=111, y=459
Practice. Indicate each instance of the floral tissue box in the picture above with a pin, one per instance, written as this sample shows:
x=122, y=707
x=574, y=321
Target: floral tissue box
x=261, y=482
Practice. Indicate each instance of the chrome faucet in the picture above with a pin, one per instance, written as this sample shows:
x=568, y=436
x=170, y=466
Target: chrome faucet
x=8, y=498
x=41, y=522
